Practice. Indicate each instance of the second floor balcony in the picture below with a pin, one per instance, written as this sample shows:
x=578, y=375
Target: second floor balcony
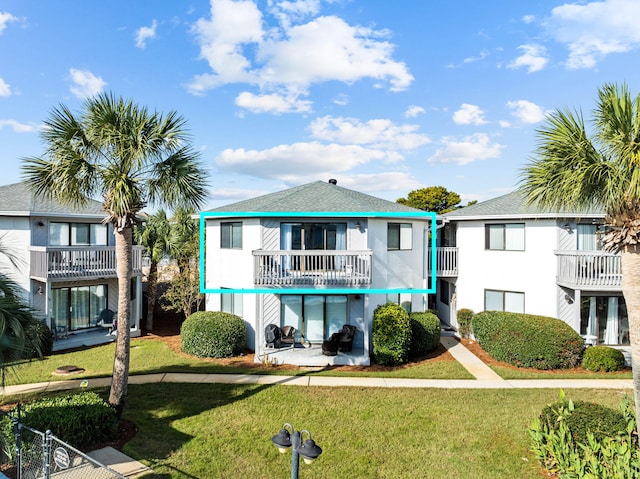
x=446, y=261
x=78, y=262
x=589, y=270
x=312, y=268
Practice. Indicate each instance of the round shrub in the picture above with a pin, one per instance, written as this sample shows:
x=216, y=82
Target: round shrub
x=391, y=334
x=597, y=419
x=603, y=358
x=425, y=333
x=83, y=420
x=528, y=341
x=38, y=333
x=464, y=316
x=208, y=334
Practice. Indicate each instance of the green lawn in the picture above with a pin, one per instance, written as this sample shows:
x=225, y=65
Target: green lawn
x=511, y=373
x=224, y=431
x=153, y=356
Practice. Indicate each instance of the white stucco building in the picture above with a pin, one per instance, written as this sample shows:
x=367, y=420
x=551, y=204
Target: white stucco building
x=315, y=257
x=503, y=254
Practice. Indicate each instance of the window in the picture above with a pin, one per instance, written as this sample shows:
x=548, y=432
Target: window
x=444, y=292
x=231, y=303
x=77, y=234
x=506, y=237
x=604, y=320
x=313, y=236
x=315, y=317
x=503, y=301
x=231, y=235
x=78, y=307
x=589, y=237
x=403, y=299
x=399, y=236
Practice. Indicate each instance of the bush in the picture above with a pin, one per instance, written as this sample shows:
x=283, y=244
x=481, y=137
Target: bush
x=38, y=332
x=82, y=420
x=528, y=341
x=611, y=452
x=603, y=358
x=391, y=334
x=207, y=334
x=425, y=333
x=465, y=316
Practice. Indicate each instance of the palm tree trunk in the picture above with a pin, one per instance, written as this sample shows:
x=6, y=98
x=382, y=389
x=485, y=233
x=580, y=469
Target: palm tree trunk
x=124, y=271
x=152, y=293
x=630, y=264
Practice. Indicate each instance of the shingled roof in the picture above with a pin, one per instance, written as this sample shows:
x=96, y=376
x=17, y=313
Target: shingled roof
x=316, y=197
x=514, y=205
x=18, y=200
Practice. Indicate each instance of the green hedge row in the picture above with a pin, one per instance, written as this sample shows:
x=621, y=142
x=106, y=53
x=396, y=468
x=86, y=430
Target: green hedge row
x=391, y=334
x=603, y=358
x=425, y=333
x=528, y=341
x=213, y=334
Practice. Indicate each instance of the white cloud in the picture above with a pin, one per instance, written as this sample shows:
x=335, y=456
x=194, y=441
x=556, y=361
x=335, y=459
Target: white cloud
x=526, y=111
x=341, y=99
x=235, y=193
x=472, y=148
x=145, y=33
x=85, y=83
x=413, y=111
x=469, y=115
x=273, y=103
x=504, y=123
x=528, y=19
x=594, y=30
x=300, y=161
x=375, y=133
x=483, y=54
x=18, y=127
x=5, y=89
x=291, y=56
x=5, y=19
x=534, y=58
x=377, y=182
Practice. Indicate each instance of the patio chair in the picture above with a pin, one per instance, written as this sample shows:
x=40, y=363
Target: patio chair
x=341, y=341
x=288, y=335
x=107, y=319
x=272, y=336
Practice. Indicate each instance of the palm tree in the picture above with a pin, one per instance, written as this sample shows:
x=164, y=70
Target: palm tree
x=573, y=168
x=130, y=157
x=154, y=236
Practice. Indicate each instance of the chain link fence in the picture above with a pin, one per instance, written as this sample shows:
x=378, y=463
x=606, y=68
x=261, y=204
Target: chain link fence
x=41, y=455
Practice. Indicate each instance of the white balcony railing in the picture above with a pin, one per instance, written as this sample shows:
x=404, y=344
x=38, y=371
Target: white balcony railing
x=589, y=269
x=78, y=262
x=446, y=261
x=312, y=268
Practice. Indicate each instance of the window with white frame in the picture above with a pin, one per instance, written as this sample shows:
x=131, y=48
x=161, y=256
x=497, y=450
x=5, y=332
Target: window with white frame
x=231, y=235
x=504, y=237
x=403, y=299
x=77, y=234
x=399, y=236
x=495, y=300
x=231, y=303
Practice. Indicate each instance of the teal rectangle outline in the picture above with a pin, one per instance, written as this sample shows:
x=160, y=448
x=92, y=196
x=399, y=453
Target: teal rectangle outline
x=318, y=214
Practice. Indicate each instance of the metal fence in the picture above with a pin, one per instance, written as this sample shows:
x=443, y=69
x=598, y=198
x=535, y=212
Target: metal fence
x=41, y=455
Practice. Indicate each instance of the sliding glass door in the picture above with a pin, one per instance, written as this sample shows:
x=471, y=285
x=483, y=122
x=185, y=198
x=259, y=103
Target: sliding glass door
x=314, y=316
x=77, y=307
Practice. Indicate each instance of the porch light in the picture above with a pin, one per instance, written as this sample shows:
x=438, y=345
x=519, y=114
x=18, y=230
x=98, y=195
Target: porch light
x=287, y=438
x=567, y=227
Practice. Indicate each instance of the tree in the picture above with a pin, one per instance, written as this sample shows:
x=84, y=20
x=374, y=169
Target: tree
x=433, y=198
x=130, y=157
x=575, y=169
x=183, y=293
x=154, y=236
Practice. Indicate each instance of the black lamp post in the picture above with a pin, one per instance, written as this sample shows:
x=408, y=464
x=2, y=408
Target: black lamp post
x=288, y=437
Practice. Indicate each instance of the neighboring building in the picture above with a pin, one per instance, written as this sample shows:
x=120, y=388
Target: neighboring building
x=280, y=253
x=65, y=260
x=503, y=254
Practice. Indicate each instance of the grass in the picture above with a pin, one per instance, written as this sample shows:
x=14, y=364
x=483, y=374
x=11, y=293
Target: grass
x=208, y=430
x=150, y=356
x=513, y=373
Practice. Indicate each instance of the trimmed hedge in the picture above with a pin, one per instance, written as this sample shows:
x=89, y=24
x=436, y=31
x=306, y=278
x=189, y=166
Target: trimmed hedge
x=425, y=333
x=599, y=420
x=603, y=358
x=465, y=316
x=208, y=334
x=528, y=341
x=82, y=420
x=38, y=333
x=391, y=334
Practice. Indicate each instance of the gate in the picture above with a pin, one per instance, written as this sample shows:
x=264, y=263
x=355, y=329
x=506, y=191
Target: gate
x=44, y=456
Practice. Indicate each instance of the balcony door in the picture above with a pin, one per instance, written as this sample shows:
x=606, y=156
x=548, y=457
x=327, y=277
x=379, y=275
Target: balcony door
x=314, y=316
x=313, y=237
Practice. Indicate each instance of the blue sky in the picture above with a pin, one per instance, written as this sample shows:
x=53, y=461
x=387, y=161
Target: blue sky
x=384, y=96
